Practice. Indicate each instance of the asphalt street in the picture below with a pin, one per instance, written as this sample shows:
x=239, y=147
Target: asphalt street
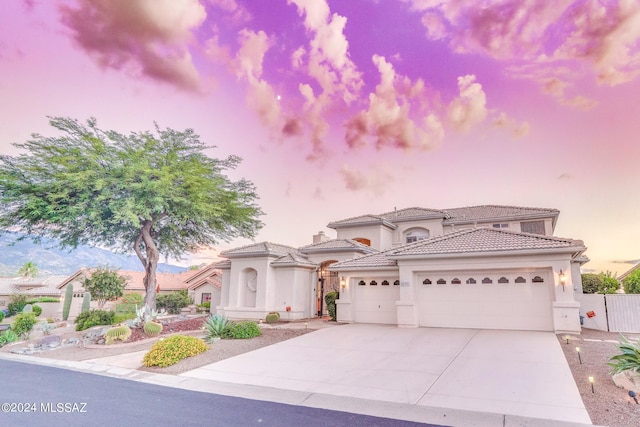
x=37, y=395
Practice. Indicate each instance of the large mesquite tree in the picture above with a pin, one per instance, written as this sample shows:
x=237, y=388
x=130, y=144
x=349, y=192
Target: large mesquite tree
x=150, y=193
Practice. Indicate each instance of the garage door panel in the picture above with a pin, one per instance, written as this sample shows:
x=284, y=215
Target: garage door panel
x=377, y=303
x=519, y=306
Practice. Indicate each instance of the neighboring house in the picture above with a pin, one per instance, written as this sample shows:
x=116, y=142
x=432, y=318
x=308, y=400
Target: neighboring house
x=494, y=267
x=628, y=272
x=33, y=287
x=200, y=284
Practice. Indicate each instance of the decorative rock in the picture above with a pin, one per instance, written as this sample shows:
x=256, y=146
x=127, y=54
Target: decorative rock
x=627, y=380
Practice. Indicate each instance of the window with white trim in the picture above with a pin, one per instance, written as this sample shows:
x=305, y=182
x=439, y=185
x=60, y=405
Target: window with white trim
x=533, y=227
x=415, y=234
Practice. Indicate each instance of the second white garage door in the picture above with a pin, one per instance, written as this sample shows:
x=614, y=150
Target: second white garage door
x=486, y=300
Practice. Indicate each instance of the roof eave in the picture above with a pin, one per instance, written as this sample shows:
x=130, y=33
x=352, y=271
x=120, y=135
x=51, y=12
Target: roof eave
x=478, y=254
x=383, y=222
x=461, y=221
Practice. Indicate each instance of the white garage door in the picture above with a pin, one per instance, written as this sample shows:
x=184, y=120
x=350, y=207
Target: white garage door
x=486, y=300
x=376, y=300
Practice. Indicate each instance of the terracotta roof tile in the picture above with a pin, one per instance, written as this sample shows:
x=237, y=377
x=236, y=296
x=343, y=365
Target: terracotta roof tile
x=337, y=244
x=488, y=212
x=262, y=248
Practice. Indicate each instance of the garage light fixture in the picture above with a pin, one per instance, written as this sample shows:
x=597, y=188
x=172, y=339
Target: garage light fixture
x=563, y=279
x=343, y=282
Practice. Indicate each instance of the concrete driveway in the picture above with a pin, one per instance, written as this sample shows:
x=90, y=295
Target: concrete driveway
x=505, y=372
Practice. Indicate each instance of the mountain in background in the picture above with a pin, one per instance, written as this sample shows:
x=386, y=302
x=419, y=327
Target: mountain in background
x=50, y=259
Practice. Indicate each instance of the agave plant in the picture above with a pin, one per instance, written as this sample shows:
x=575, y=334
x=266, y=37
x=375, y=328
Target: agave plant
x=214, y=326
x=628, y=360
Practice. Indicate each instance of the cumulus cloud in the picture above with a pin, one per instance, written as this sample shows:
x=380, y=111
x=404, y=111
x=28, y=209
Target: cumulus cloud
x=261, y=96
x=470, y=108
x=376, y=180
x=236, y=12
x=327, y=61
x=602, y=36
x=396, y=115
x=146, y=37
x=517, y=129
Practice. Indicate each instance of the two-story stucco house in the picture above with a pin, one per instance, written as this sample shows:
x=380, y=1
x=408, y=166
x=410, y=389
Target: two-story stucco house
x=493, y=267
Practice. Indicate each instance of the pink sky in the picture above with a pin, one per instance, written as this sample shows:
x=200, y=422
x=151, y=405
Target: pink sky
x=344, y=108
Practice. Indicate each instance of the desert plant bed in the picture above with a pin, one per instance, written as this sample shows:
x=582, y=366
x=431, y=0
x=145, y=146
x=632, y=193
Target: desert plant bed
x=170, y=327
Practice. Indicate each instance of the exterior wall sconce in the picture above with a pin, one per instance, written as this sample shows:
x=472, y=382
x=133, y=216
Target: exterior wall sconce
x=343, y=282
x=563, y=279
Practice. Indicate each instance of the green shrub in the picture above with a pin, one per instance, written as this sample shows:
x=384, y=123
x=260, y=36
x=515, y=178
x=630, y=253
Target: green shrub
x=23, y=324
x=330, y=298
x=50, y=320
x=1, y=315
x=272, y=317
x=68, y=297
x=122, y=333
x=93, y=318
x=18, y=301
x=43, y=299
x=214, y=327
x=129, y=302
x=37, y=310
x=7, y=337
x=152, y=328
x=121, y=317
x=631, y=283
x=609, y=283
x=241, y=330
x=170, y=351
x=591, y=283
x=628, y=360
x=173, y=302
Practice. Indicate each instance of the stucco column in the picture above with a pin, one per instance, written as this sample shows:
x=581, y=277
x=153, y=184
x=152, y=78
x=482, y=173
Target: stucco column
x=344, y=306
x=566, y=315
x=407, y=305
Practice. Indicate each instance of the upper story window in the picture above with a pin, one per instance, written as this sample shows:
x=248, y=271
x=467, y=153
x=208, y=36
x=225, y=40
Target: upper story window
x=415, y=234
x=534, y=227
x=501, y=225
x=363, y=241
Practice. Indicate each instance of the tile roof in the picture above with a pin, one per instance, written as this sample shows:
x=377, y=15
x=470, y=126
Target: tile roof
x=451, y=216
x=414, y=213
x=377, y=260
x=262, y=248
x=488, y=212
x=292, y=259
x=337, y=245
x=483, y=240
x=361, y=220
x=224, y=264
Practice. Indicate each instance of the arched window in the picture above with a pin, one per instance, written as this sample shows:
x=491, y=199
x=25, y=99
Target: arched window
x=373, y=283
x=363, y=241
x=503, y=280
x=538, y=279
x=487, y=280
x=456, y=281
x=426, y=282
x=385, y=283
x=471, y=281
x=441, y=282
x=520, y=279
x=415, y=234
x=248, y=278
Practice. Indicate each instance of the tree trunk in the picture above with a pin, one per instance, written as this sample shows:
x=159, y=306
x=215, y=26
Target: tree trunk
x=150, y=262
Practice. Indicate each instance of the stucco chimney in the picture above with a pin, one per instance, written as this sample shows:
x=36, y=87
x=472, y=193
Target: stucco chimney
x=320, y=237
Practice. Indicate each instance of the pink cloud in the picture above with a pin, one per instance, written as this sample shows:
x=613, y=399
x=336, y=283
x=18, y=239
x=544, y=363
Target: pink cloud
x=146, y=37
x=602, y=37
x=376, y=180
x=393, y=117
x=470, y=108
x=261, y=96
x=237, y=13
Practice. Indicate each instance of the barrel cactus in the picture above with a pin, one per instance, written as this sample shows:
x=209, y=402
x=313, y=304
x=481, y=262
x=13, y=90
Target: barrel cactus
x=152, y=328
x=122, y=333
x=68, y=297
x=273, y=317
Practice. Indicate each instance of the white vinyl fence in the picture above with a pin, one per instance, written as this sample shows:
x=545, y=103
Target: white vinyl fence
x=613, y=312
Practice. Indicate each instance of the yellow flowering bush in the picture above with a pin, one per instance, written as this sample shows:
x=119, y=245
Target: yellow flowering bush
x=170, y=351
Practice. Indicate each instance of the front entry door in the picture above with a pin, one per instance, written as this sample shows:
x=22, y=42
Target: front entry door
x=328, y=281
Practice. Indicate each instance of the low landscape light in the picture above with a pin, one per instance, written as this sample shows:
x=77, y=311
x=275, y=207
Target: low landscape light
x=591, y=381
x=632, y=394
x=579, y=357
x=566, y=337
